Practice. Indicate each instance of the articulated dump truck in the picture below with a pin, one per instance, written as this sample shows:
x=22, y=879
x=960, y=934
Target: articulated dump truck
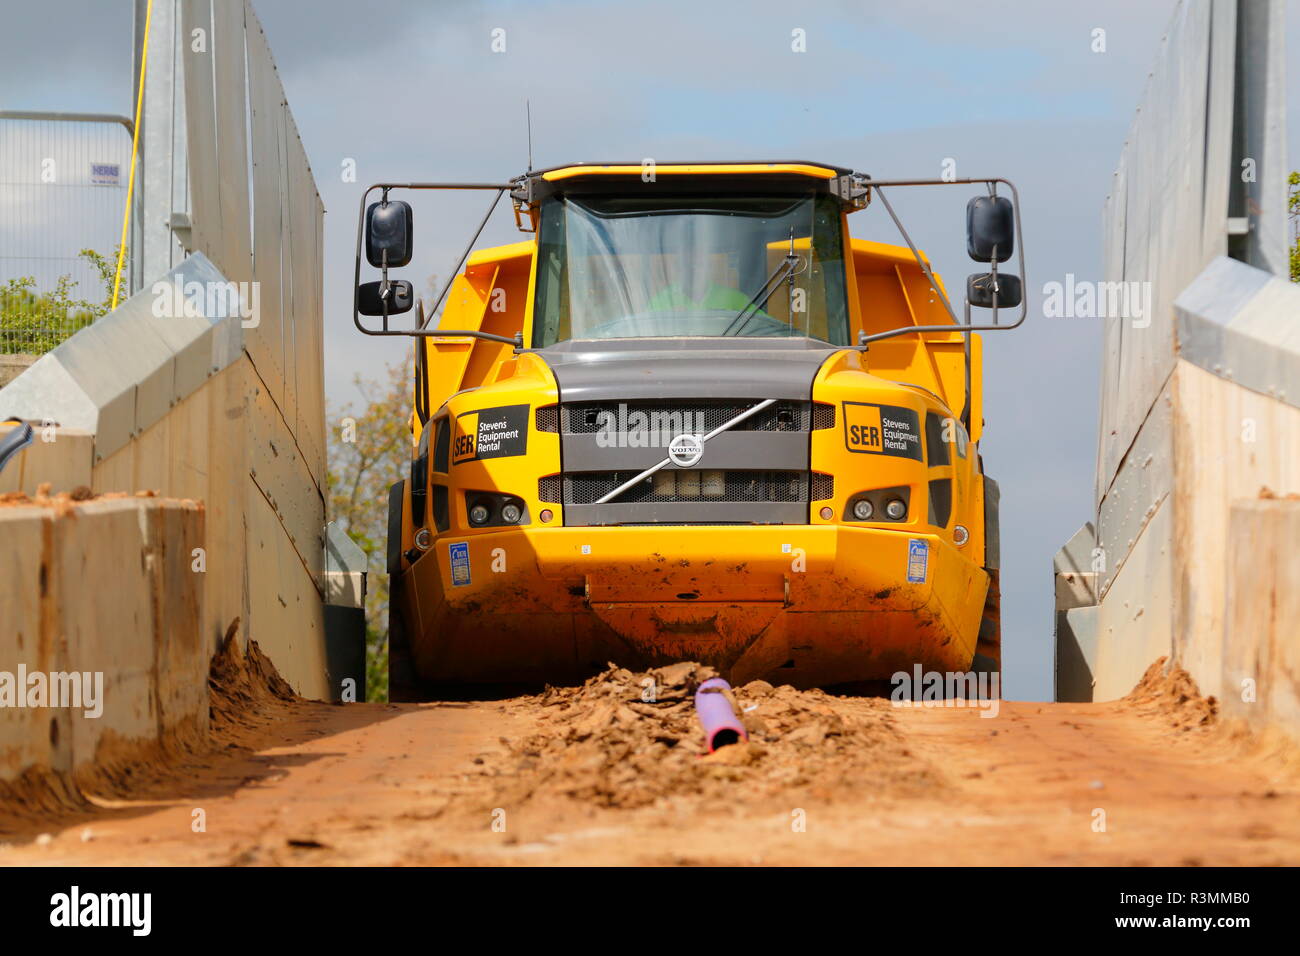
x=691, y=418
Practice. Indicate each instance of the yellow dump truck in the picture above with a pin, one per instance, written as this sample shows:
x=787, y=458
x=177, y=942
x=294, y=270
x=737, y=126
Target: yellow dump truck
x=690, y=418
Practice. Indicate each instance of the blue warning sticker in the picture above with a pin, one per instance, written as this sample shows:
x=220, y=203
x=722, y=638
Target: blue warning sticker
x=918, y=559
x=459, y=552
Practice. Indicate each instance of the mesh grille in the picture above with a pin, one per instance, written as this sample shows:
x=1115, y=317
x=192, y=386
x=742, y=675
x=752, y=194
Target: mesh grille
x=676, y=418
x=549, y=489
x=584, y=488
x=823, y=486
x=548, y=418
x=823, y=416
x=682, y=524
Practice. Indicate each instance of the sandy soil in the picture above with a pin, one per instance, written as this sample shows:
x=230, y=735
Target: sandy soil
x=599, y=775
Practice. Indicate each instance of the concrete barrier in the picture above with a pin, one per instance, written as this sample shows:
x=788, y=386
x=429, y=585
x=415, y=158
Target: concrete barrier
x=1073, y=571
x=345, y=616
x=105, y=588
x=1187, y=564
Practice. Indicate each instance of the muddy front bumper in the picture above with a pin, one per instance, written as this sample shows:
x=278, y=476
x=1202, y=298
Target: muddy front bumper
x=799, y=604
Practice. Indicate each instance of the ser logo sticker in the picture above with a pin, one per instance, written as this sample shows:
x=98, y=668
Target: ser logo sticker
x=882, y=430
x=490, y=433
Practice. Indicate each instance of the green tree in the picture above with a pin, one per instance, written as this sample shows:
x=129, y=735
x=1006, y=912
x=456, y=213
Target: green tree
x=369, y=451
x=35, y=322
x=1293, y=212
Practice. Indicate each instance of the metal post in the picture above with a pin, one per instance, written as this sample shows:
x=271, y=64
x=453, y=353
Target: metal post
x=158, y=136
x=135, y=237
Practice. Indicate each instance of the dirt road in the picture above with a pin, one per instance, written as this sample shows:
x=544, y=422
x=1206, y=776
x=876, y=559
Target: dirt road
x=599, y=775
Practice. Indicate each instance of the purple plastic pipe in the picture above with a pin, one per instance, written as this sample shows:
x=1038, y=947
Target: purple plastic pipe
x=721, y=726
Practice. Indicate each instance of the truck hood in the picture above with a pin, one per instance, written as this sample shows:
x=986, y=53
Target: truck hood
x=639, y=369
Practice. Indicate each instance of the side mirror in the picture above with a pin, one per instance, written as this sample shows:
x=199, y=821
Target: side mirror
x=981, y=286
x=990, y=229
x=388, y=230
x=401, y=297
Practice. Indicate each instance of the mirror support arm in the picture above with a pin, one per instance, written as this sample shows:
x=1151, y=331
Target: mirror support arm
x=463, y=256
x=517, y=340
x=967, y=328
x=916, y=254
x=965, y=410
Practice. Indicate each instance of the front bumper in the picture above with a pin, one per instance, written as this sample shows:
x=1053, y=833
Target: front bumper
x=800, y=604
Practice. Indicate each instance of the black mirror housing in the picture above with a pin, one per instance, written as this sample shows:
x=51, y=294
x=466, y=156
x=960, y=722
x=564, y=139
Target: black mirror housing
x=981, y=286
x=401, y=297
x=990, y=229
x=388, y=230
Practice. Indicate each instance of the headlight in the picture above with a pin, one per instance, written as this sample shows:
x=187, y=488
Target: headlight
x=895, y=509
x=510, y=513
x=478, y=514
x=862, y=509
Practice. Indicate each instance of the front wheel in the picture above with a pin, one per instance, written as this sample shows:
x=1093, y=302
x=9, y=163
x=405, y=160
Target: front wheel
x=403, y=685
x=988, y=649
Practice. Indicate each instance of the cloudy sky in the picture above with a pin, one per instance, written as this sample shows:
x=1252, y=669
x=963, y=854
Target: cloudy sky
x=414, y=90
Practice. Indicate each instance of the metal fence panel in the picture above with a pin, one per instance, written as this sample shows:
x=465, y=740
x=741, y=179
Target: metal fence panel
x=1157, y=240
x=266, y=343
x=232, y=139
x=201, y=130
x=62, y=189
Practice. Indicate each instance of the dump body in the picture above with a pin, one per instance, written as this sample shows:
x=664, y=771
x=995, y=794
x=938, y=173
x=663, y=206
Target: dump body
x=552, y=544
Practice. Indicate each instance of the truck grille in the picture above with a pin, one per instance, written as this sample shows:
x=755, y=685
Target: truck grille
x=760, y=471
x=585, y=488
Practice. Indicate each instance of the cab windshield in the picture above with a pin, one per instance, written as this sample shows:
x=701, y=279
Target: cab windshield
x=658, y=266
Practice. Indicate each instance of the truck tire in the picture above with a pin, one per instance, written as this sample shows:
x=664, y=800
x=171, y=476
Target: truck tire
x=988, y=649
x=403, y=684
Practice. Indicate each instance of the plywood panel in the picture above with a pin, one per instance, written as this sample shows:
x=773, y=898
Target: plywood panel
x=103, y=571
x=1145, y=479
x=105, y=591
x=1261, y=646
x=32, y=638
x=1134, y=621
x=287, y=614
x=280, y=472
x=1230, y=443
x=59, y=456
x=199, y=451
x=226, y=502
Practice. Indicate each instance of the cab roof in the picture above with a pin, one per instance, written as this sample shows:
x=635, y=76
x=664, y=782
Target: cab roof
x=840, y=181
x=795, y=167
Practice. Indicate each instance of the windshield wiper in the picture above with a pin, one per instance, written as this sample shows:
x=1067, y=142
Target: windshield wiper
x=766, y=291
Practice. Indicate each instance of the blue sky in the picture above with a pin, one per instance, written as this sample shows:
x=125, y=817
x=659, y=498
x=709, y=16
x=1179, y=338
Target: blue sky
x=413, y=90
